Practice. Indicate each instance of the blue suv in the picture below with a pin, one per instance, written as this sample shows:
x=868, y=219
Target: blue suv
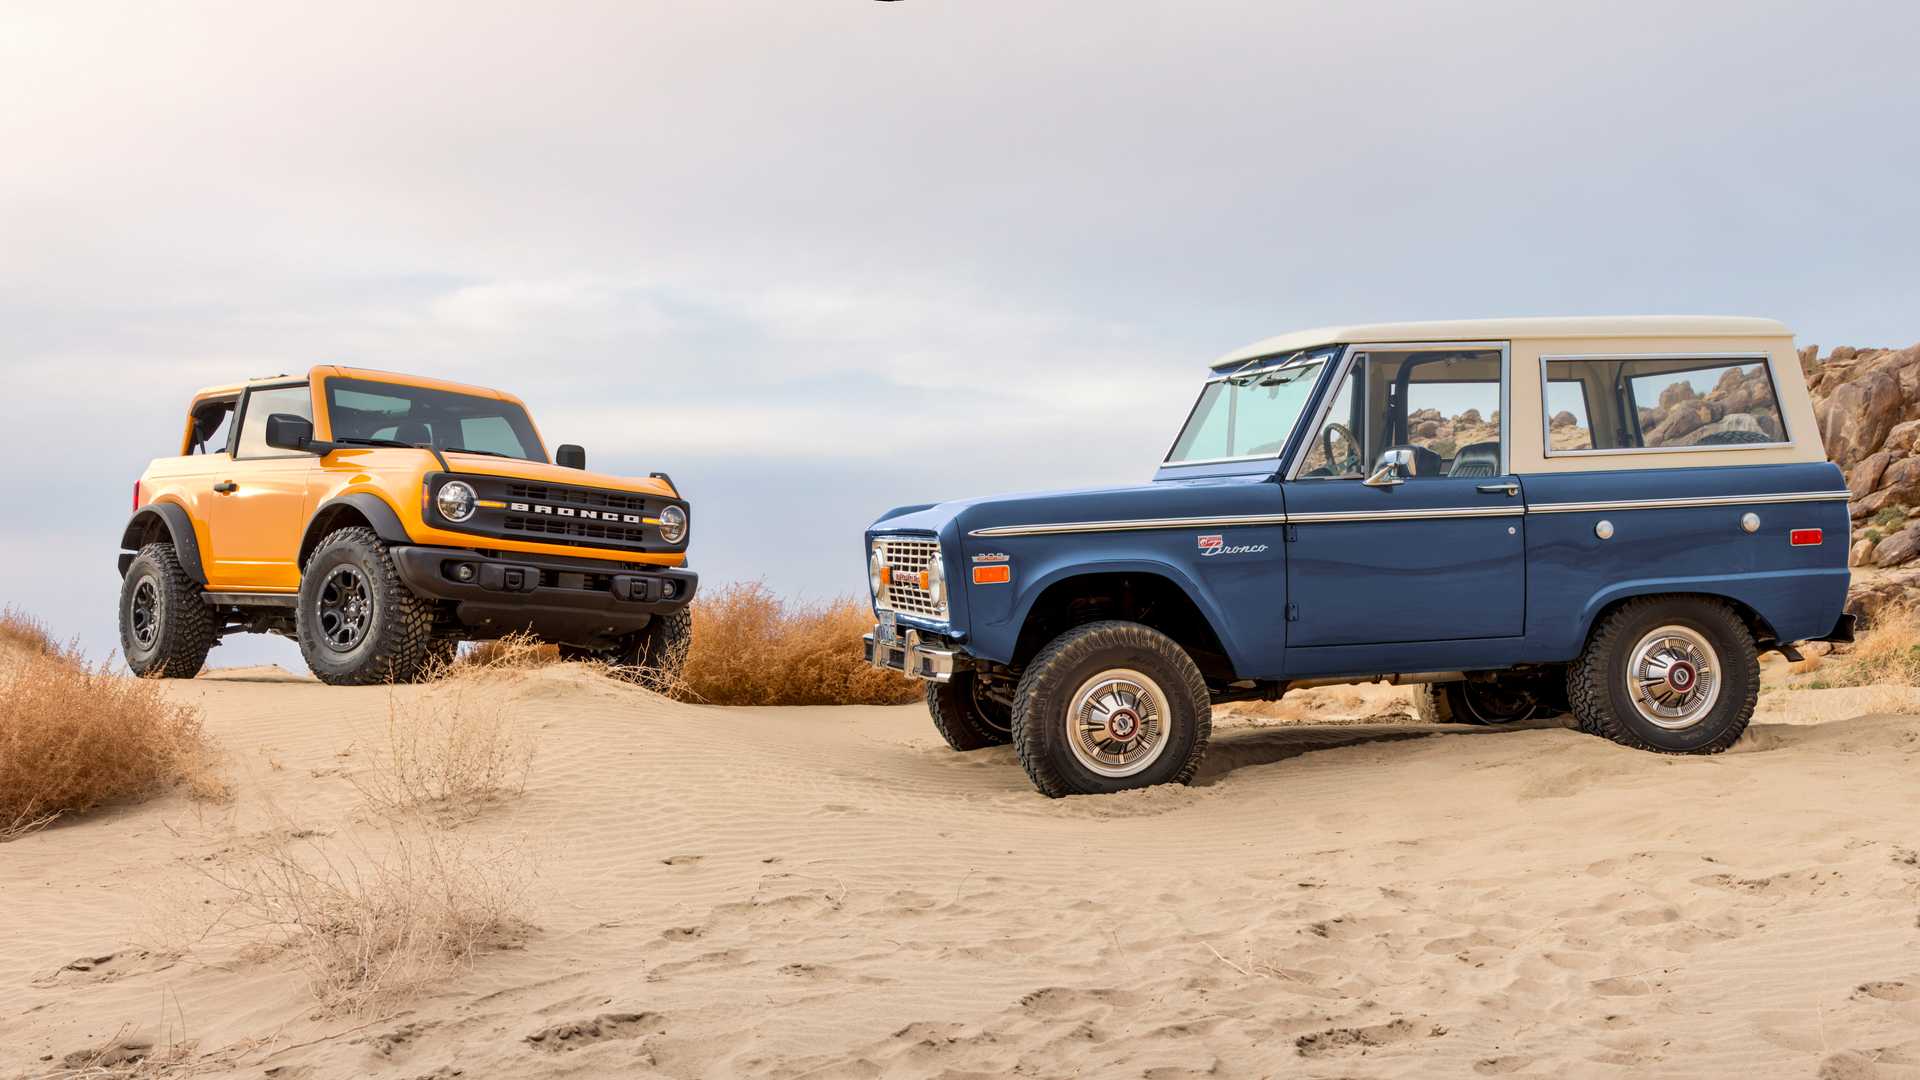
x=1611, y=517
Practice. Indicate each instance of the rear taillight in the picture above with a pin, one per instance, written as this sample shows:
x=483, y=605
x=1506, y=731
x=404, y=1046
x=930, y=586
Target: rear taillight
x=1804, y=537
x=136, y=494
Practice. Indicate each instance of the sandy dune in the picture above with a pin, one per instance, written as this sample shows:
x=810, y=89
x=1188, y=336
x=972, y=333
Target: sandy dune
x=829, y=892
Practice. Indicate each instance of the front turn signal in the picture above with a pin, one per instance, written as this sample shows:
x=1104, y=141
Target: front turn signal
x=992, y=575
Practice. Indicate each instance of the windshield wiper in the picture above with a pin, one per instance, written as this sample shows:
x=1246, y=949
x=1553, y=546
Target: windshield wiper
x=359, y=441
x=488, y=453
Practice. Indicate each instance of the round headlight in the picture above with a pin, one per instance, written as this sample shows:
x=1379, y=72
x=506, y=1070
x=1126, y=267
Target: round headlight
x=875, y=568
x=936, y=584
x=673, y=524
x=456, y=501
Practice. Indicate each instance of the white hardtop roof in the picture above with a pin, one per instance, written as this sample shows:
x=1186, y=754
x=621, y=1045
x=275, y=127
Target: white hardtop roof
x=1580, y=326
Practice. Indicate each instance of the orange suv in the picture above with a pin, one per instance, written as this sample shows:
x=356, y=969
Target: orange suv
x=382, y=519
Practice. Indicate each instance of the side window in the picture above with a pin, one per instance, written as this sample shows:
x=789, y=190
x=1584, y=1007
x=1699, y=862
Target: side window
x=212, y=428
x=1632, y=403
x=1569, y=420
x=1442, y=404
x=260, y=404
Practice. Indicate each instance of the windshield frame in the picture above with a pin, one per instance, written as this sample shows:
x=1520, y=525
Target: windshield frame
x=401, y=387
x=1327, y=356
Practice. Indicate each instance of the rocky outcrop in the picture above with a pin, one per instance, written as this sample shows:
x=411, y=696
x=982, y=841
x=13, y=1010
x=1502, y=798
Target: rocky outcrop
x=1867, y=403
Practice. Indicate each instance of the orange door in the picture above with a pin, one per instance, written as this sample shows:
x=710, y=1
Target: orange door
x=259, y=501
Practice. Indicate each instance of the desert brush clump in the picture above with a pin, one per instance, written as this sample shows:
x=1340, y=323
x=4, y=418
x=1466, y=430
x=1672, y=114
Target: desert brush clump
x=516, y=650
x=372, y=927
x=1886, y=653
x=752, y=648
x=24, y=633
x=449, y=752
x=75, y=736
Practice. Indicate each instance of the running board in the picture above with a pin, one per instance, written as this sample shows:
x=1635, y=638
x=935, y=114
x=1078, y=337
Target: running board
x=250, y=599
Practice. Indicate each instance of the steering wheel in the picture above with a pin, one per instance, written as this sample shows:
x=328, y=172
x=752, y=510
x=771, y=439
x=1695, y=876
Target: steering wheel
x=1352, y=462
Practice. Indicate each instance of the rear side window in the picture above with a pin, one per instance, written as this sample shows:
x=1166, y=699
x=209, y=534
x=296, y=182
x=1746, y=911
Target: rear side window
x=212, y=427
x=1659, y=403
x=260, y=404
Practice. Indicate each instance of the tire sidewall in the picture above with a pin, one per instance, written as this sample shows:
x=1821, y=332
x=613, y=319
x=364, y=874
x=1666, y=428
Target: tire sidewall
x=141, y=659
x=319, y=654
x=1734, y=655
x=1041, y=724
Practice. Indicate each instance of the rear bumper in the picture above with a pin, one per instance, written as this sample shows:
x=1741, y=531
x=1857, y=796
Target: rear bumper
x=571, y=601
x=910, y=656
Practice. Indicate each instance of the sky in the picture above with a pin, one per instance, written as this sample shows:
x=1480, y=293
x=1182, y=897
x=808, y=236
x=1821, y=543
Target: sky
x=817, y=258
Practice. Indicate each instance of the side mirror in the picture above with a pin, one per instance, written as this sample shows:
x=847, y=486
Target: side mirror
x=1393, y=469
x=569, y=456
x=288, y=432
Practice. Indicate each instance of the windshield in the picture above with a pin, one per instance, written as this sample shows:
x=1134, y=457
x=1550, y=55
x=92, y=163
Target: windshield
x=1249, y=413
x=380, y=412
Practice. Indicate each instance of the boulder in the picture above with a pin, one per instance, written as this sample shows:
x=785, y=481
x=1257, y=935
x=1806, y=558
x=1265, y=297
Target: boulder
x=1856, y=417
x=1861, y=554
x=1901, y=437
x=1683, y=419
x=1471, y=416
x=1899, y=548
x=1865, y=477
x=1809, y=360
x=1563, y=418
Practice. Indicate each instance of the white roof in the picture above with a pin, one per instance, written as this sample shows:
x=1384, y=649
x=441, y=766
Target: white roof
x=1582, y=326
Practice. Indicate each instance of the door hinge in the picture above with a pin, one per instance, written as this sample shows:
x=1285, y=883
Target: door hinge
x=1293, y=612
x=1293, y=533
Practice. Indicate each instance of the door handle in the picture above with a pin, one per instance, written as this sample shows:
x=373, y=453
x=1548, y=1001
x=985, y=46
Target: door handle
x=226, y=487
x=1510, y=487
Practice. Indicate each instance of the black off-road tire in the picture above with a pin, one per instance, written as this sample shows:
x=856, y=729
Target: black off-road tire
x=1051, y=680
x=398, y=640
x=182, y=631
x=1596, y=680
x=963, y=719
x=442, y=653
x=656, y=655
x=1462, y=703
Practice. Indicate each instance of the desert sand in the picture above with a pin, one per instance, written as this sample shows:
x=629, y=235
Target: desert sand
x=829, y=892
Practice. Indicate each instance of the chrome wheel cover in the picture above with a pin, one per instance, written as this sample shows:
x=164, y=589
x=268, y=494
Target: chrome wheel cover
x=143, y=615
x=345, y=608
x=1673, y=677
x=1118, y=723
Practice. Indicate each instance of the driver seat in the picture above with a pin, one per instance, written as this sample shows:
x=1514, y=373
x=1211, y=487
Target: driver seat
x=414, y=432
x=1476, y=459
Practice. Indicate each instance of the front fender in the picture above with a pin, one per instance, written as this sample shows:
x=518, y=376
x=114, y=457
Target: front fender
x=378, y=513
x=179, y=527
x=997, y=640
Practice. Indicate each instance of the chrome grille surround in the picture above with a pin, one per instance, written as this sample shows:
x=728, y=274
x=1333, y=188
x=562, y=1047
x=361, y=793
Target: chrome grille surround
x=911, y=555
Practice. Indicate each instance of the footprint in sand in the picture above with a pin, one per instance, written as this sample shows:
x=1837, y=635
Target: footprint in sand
x=582, y=1033
x=1341, y=1041
x=681, y=860
x=1888, y=991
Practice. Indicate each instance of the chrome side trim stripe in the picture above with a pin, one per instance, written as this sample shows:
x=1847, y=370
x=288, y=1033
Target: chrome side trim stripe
x=1408, y=515
x=1142, y=524
x=1687, y=503
x=1130, y=525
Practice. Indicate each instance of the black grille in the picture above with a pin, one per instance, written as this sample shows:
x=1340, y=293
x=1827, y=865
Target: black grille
x=562, y=514
x=574, y=528
x=573, y=496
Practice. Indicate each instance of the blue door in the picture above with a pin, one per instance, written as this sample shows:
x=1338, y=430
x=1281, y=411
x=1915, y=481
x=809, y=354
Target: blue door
x=1433, y=559
x=1430, y=548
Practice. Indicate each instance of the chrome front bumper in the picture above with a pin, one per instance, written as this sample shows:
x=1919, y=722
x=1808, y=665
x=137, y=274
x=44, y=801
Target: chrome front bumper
x=911, y=658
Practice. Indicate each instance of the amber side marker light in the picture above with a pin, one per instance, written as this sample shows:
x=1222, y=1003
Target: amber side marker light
x=992, y=575
x=1804, y=537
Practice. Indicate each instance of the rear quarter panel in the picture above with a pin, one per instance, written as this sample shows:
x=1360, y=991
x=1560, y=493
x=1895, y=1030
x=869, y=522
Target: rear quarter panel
x=1573, y=574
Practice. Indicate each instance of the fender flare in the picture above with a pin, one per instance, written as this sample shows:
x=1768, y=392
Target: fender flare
x=385, y=521
x=174, y=519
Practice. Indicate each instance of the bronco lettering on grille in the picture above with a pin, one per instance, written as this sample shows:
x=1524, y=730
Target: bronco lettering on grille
x=568, y=511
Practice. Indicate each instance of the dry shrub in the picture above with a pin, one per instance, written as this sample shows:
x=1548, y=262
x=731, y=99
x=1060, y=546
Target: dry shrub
x=24, y=633
x=450, y=752
x=517, y=650
x=74, y=736
x=1887, y=653
x=370, y=929
x=752, y=648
